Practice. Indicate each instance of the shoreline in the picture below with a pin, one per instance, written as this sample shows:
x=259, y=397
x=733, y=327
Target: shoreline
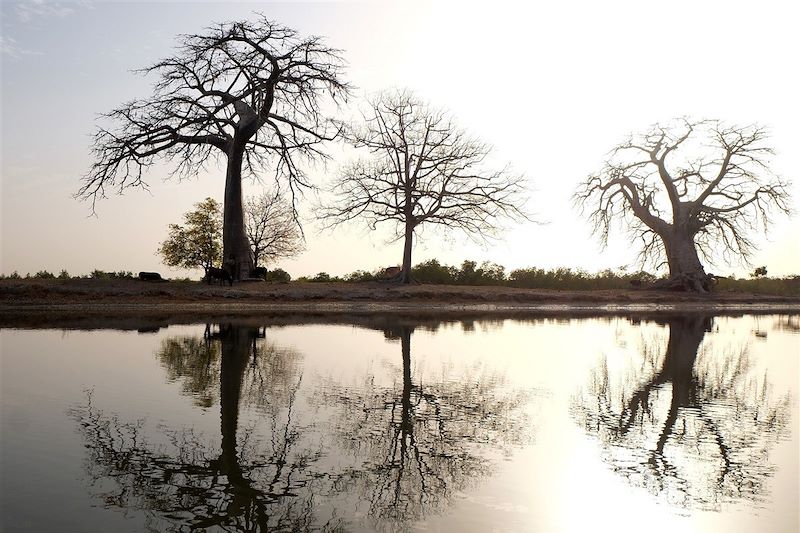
x=150, y=318
x=89, y=302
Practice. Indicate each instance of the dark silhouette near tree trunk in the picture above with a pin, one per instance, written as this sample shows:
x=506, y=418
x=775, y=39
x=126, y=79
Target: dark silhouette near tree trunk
x=687, y=191
x=424, y=172
x=249, y=93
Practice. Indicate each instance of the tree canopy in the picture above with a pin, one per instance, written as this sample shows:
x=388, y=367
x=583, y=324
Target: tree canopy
x=198, y=243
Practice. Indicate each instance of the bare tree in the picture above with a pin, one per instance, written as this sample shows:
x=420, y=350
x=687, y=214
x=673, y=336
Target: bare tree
x=271, y=228
x=685, y=189
x=249, y=93
x=423, y=171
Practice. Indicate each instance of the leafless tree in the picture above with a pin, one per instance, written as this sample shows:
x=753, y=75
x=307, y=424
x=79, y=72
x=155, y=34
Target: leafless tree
x=249, y=93
x=685, y=189
x=271, y=228
x=423, y=171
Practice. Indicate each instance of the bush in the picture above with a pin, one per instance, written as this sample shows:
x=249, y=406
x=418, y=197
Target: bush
x=362, y=275
x=100, y=274
x=277, y=276
x=323, y=277
x=63, y=274
x=434, y=272
x=44, y=274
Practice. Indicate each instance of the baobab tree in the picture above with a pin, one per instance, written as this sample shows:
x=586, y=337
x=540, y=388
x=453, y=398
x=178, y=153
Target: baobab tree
x=687, y=190
x=422, y=171
x=271, y=228
x=248, y=93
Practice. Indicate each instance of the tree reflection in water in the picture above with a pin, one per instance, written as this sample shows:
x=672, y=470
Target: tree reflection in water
x=399, y=452
x=187, y=485
x=694, y=425
x=413, y=447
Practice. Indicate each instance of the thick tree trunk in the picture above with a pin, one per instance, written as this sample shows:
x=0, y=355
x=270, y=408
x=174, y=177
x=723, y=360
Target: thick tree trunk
x=686, y=272
x=236, y=254
x=405, y=272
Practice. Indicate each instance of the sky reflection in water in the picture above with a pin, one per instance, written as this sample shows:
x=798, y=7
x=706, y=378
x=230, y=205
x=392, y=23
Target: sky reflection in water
x=551, y=425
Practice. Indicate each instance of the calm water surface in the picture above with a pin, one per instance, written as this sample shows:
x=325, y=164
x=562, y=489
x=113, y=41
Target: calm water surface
x=672, y=423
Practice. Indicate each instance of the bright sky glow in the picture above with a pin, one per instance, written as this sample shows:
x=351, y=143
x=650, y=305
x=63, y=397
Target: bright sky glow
x=551, y=86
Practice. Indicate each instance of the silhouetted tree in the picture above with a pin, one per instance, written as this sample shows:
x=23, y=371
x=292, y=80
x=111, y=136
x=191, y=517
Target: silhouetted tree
x=271, y=228
x=693, y=425
x=249, y=93
x=423, y=171
x=685, y=189
x=198, y=243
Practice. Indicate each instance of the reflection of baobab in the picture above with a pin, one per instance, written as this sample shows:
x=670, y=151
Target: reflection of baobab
x=252, y=486
x=696, y=427
x=416, y=445
x=195, y=363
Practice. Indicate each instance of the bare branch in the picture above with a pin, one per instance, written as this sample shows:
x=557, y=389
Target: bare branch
x=255, y=84
x=423, y=170
x=707, y=201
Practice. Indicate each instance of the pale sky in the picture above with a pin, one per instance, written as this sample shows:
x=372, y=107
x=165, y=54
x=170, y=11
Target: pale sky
x=552, y=86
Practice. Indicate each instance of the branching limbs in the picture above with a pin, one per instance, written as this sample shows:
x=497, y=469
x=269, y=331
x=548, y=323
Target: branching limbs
x=708, y=182
x=255, y=87
x=271, y=228
x=423, y=170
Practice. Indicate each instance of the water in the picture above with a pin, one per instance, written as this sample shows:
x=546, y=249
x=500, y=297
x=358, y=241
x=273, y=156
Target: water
x=662, y=423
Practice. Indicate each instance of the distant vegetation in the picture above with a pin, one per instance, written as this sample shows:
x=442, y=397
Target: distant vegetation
x=487, y=274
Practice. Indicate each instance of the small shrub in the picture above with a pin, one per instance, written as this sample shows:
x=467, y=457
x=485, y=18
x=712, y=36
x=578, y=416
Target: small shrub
x=362, y=275
x=323, y=277
x=63, y=274
x=434, y=272
x=100, y=274
x=277, y=276
x=44, y=274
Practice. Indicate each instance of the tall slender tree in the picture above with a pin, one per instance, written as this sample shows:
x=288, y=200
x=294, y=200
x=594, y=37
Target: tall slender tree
x=249, y=93
x=422, y=171
x=685, y=191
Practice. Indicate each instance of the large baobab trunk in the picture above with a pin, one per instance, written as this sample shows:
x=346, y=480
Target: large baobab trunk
x=686, y=272
x=235, y=246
